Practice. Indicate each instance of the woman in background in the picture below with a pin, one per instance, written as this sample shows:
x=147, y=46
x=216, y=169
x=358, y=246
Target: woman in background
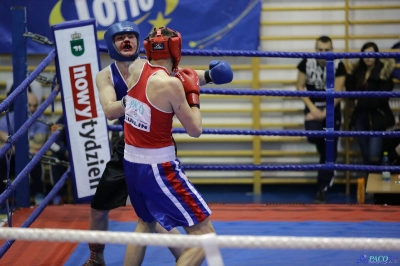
x=371, y=114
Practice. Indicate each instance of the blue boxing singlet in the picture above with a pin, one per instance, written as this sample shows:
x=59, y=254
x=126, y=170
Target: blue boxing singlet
x=120, y=86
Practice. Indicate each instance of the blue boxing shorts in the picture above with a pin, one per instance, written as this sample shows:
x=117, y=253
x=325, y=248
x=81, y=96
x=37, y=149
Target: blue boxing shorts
x=159, y=189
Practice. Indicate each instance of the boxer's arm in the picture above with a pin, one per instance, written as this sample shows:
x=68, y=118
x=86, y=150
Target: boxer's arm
x=108, y=98
x=190, y=117
x=202, y=80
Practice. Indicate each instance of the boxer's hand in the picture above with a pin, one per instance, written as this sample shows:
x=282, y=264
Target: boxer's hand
x=191, y=85
x=220, y=72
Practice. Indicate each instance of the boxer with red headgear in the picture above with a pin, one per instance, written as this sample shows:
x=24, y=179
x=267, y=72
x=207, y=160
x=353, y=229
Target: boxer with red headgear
x=156, y=180
x=163, y=44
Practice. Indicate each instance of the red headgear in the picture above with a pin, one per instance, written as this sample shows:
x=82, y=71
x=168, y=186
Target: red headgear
x=162, y=47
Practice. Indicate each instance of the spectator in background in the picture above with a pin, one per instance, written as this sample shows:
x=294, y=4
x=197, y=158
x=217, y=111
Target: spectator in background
x=35, y=87
x=371, y=114
x=392, y=146
x=37, y=135
x=396, y=71
x=59, y=150
x=312, y=77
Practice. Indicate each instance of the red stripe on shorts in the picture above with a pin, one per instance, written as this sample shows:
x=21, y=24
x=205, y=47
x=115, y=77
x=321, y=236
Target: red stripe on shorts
x=182, y=192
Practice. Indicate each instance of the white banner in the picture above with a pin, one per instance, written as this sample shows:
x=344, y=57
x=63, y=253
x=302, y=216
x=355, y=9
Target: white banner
x=78, y=65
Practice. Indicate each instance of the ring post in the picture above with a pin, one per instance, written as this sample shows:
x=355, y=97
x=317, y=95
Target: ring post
x=330, y=108
x=20, y=114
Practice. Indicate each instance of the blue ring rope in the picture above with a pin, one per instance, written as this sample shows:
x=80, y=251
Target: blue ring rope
x=241, y=53
x=4, y=104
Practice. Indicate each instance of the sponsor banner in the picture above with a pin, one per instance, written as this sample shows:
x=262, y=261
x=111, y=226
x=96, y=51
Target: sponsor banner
x=211, y=24
x=78, y=64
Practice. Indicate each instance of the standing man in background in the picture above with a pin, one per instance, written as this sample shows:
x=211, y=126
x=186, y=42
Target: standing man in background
x=312, y=77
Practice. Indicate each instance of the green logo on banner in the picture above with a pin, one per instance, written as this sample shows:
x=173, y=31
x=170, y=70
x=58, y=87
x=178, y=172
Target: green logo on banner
x=77, y=45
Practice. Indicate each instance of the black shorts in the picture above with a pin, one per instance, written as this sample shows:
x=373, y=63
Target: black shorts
x=112, y=191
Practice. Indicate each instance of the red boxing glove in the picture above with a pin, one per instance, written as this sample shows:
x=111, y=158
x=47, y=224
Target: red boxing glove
x=191, y=85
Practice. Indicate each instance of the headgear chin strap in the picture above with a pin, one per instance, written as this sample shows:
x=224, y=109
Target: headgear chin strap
x=121, y=28
x=163, y=47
